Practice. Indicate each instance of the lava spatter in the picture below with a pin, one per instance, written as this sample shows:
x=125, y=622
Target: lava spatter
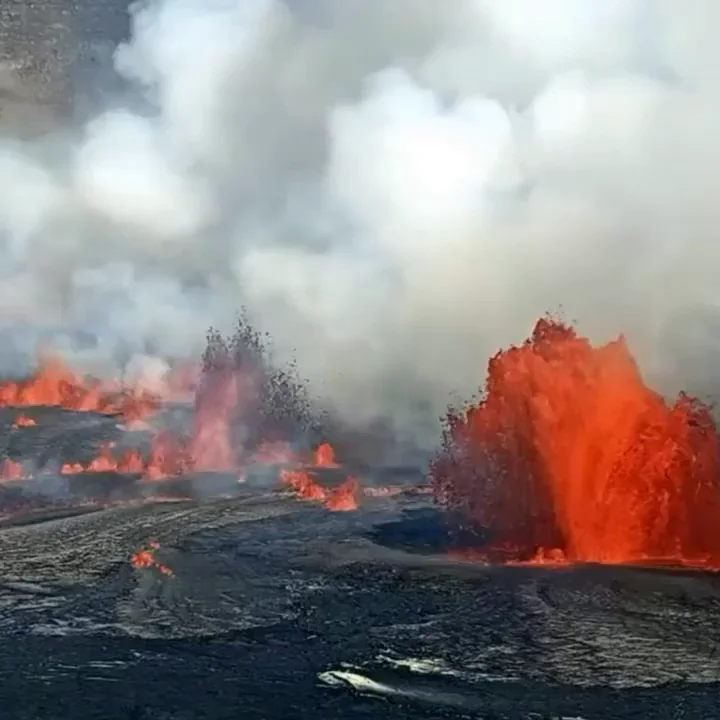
x=145, y=558
x=570, y=455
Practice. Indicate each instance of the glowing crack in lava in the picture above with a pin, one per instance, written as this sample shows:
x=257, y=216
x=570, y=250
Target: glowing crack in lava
x=569, y=454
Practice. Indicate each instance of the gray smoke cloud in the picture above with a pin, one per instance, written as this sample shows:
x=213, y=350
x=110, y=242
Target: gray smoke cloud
x=393, y=189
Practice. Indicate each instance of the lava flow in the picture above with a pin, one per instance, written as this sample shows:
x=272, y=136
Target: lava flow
x=304, y=485
x=569, y=455
x=54, y=384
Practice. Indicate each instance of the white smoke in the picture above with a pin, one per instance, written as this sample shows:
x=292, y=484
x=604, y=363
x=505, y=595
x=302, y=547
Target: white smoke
x=393, y=189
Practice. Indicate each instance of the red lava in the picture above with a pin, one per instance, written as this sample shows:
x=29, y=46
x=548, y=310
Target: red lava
x=569, y=455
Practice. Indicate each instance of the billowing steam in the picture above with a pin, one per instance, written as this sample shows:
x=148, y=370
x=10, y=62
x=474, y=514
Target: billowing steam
x=393, y=189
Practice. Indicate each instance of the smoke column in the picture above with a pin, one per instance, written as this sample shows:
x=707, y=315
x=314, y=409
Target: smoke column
x=393, y=189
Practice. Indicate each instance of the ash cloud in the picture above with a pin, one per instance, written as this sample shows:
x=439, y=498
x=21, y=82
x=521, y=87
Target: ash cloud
x=392, y=190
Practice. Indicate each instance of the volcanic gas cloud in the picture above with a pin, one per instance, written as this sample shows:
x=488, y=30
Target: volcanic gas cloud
x=569, y=455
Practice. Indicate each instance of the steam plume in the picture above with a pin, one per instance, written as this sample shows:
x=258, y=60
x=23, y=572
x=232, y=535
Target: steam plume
x=393, y=189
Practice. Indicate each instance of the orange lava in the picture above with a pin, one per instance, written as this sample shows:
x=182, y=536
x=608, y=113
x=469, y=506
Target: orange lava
x=303, y=485
x=131, y=462
x=104, y=461
x=71, y=469
x=570, y=455
x=169, y=457
x=509, y=556
x=23, y=421
x=11, y=470
x=325, y=456
x=145, y=558
x=54, y=384
x=218, y=396
x=343, y=498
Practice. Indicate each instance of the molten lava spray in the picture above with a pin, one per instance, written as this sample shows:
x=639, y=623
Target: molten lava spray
x=215, y=402
x=568, y=450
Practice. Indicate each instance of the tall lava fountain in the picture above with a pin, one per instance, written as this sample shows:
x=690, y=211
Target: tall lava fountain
x=568, y=450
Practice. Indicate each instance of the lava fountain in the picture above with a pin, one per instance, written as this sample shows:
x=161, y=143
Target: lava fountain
x=569, y=454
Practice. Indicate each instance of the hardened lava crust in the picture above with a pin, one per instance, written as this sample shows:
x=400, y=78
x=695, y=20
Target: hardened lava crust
x=259, y=605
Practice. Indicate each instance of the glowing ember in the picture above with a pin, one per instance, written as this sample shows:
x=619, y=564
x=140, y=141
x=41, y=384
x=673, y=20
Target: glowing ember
x=145, y=558
x=570, y=451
